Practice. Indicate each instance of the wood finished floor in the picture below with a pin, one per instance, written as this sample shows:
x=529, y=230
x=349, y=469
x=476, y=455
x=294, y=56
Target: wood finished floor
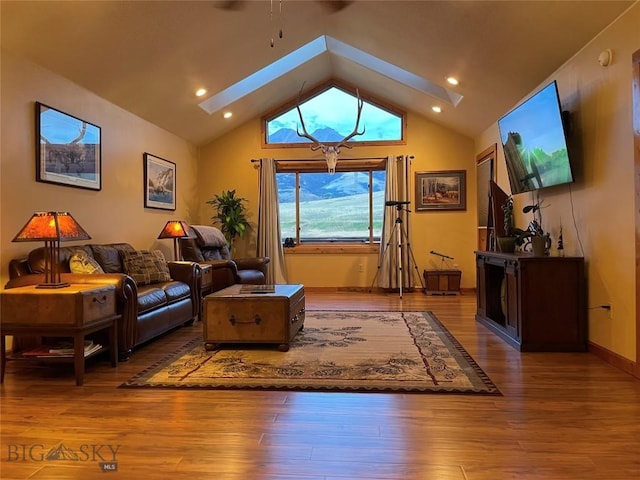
x=561, y=416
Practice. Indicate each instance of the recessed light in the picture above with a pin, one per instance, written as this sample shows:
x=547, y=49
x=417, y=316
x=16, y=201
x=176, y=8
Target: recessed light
x=436, y=109
x=227, y=114
x=200, y=92
x=452, y=81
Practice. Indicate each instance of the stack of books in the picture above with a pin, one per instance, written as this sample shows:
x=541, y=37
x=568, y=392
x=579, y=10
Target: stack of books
x=61, y=349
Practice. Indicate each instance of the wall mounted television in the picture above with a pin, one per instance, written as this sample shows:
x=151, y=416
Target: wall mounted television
x=534, y=141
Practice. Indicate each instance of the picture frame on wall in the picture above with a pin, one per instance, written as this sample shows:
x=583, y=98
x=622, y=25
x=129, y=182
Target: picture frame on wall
x=159, y=182
x=441, y=190
x=68, y=149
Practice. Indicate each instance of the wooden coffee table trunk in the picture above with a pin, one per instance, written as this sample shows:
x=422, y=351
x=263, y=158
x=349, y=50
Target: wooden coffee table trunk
x=231, y=316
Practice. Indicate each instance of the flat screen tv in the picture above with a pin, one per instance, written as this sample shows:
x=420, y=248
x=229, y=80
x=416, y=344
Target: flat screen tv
x=534, y=143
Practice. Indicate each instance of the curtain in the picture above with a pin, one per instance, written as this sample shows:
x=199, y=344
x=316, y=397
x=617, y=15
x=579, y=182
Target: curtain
x=388, y=243
x=394, y=265
x=269, y=237
x=408, y=261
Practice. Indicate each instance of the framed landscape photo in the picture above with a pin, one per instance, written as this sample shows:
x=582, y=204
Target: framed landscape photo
x=68, y=149
x=159, y=183
x=443, y=190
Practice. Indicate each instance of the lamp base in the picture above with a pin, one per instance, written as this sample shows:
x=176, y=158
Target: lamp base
x=53, y=285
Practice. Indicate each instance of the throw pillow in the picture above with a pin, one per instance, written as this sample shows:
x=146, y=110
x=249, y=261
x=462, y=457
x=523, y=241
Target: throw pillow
x=145, y=267
x=82, y=263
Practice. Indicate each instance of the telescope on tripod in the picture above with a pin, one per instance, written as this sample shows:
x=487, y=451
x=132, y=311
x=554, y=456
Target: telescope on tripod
x=442, y=256
x=400, y=239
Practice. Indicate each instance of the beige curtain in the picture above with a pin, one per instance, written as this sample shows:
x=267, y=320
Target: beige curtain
x=395, y=255
x=269, y=237
x=388, y=260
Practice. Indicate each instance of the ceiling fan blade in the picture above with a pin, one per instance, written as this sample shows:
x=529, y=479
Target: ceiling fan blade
x=231, y=5
x=335, y=5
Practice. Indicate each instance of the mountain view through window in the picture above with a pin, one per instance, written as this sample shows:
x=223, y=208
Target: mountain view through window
x=330, y=116
x=332, y=207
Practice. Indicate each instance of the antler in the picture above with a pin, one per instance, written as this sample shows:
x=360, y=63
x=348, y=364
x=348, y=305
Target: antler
x=330, y=151
x=316, y=144
x=343, y=142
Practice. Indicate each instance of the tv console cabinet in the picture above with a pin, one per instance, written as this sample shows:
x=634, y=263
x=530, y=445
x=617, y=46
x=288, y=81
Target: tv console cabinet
x=534, y=303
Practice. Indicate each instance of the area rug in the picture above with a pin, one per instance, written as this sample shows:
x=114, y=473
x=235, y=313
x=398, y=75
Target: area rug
x=335, y=351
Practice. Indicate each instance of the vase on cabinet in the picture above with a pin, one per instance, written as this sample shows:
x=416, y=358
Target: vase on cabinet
x=507, y=244
x=540, y=245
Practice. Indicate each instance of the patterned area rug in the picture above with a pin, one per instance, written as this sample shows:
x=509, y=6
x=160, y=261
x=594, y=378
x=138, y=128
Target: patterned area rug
x=335, y=351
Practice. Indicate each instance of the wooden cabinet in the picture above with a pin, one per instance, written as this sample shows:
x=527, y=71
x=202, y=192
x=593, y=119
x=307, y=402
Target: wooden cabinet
x=533, y=303
x=74, y=311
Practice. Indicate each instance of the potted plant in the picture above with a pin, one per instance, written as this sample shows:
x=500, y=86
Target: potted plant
x=507, y=243
x=230, y=215
x=535, y=234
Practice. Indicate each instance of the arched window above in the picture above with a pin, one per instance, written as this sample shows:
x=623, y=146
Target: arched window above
x=330, y=115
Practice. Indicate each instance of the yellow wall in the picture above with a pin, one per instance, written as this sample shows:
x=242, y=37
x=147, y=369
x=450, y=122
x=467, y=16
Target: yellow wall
x=597, y=212
x=225, y=164
x=114, y=214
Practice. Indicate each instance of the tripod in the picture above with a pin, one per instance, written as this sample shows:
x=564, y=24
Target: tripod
x=401, y=238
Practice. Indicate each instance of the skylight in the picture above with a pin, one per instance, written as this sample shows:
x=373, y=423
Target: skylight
x=325, y=45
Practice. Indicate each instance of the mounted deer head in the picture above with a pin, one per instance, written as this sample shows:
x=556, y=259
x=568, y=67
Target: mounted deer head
x=330, y=151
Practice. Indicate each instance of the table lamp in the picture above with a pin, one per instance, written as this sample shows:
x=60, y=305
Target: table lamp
x=175, y=229
x=52, y=228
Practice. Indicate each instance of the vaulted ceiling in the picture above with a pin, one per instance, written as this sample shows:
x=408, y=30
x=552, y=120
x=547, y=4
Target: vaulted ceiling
x=150, y=57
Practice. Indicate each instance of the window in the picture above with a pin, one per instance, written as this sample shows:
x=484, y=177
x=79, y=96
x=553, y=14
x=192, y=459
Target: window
x=346, y=207
x=330, y=116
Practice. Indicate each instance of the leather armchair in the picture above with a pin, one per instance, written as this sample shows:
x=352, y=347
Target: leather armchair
x=208, y=246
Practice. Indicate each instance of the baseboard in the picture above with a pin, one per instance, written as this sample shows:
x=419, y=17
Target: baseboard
x=615, y=360
x=418, y=289
x=358, y=289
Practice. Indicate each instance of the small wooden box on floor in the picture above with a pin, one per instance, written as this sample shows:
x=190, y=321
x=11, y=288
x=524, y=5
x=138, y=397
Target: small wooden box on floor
x=442, y=282
x=232, y=316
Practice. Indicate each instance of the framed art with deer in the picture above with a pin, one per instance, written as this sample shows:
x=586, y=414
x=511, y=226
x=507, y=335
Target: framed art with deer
x=68, y=149
x=442, y=190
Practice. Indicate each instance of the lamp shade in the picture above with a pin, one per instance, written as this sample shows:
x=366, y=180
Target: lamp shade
x=51, y=228
x=174, y=229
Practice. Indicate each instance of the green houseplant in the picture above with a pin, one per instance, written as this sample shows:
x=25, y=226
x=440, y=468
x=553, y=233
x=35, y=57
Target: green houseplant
x=230, y=215
x=516, y=237
x=507, y=243
x=534, y=233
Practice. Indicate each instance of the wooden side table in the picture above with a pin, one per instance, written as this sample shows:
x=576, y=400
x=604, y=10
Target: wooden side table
x=75, y=311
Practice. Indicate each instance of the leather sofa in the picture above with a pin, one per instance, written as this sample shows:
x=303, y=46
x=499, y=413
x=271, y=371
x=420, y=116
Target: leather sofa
x=207, y=246
x=148, y=310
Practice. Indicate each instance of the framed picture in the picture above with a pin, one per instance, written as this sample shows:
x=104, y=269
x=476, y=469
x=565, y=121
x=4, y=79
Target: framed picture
x=68, y=149
x=159, y=183
x=443, y=190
